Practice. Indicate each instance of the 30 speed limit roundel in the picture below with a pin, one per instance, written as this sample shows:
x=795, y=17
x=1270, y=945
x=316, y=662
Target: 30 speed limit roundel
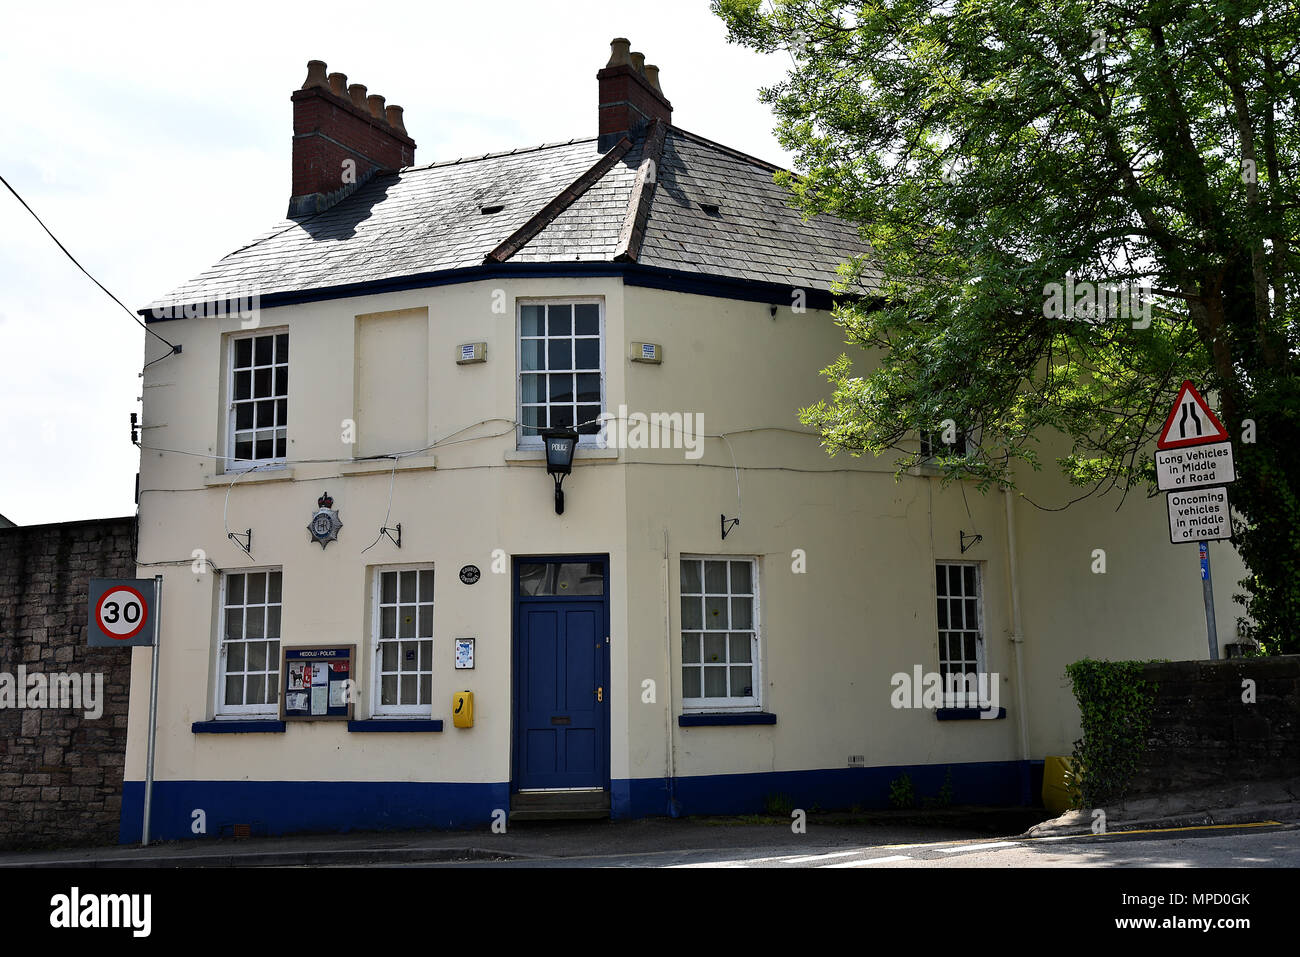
x=121, y=612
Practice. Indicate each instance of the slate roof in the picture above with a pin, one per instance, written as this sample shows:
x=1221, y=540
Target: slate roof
x=430, y=218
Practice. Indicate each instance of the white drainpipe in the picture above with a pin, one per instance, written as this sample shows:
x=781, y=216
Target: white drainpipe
x=668, y=674
x=1017, y=634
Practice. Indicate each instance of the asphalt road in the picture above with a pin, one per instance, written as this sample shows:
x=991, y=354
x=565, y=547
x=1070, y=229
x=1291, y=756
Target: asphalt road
x=1214, y=846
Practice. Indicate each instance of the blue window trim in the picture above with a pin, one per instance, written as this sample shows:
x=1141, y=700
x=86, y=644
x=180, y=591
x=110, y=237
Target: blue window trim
x=267, y=726
x=966, y=714
x=386, y=724
x=721, y=719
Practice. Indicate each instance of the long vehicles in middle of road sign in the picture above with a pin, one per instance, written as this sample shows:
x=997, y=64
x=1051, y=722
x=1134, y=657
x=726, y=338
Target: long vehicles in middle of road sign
x=1197, y=465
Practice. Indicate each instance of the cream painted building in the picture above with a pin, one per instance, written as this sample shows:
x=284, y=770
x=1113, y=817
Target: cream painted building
x=389, y=351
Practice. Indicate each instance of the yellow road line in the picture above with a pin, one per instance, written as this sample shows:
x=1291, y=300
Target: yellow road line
x=1168, y=830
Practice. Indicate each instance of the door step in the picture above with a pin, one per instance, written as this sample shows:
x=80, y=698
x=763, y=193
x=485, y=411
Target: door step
x=559, y=805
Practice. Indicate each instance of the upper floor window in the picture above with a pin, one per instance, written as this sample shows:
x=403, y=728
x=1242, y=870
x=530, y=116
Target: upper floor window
x=934, y=444
x=259, y=398
x=561, y=368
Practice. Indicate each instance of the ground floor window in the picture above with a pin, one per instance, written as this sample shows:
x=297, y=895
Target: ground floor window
x=403, y=639
x=961, y=628
x=720, y=633
x=250, y=642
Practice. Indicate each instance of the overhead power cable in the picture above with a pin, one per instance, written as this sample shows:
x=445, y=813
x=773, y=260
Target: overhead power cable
x=134, y=318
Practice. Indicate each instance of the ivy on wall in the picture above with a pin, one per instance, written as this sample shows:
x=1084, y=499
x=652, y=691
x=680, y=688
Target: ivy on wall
x=1115, y=703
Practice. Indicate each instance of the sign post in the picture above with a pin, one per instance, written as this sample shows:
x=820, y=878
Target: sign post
x=125, y=612
x=153, y=714
x=1194, y=466
x=1207, y=588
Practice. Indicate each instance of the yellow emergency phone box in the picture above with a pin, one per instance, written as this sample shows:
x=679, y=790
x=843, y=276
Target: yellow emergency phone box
x=462, y=709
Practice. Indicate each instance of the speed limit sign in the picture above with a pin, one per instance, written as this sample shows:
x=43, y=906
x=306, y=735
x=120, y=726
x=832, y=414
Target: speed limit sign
x=121, y=612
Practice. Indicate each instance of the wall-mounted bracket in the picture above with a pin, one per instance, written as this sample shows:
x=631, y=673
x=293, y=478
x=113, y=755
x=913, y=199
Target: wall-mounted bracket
x=246, y=545
x=727, y=524
x=974, y=540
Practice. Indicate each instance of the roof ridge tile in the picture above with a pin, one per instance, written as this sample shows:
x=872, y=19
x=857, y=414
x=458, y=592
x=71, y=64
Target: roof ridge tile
x=517, y=151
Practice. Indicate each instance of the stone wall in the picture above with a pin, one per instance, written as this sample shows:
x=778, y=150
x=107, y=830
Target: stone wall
x=1204, y=735
x=60, y=771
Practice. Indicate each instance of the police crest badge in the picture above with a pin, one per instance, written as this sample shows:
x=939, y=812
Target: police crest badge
x=324, y=525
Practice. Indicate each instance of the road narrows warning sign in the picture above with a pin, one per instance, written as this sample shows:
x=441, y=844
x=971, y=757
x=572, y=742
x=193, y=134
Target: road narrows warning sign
x=1191, y=422
x=1193, y=467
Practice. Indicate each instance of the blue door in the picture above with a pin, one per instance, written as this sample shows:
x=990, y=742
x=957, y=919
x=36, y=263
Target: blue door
x=561, y=670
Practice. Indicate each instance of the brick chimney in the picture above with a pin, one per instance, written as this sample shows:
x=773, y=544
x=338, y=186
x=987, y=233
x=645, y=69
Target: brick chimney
x=629, y=95
x=333, y=123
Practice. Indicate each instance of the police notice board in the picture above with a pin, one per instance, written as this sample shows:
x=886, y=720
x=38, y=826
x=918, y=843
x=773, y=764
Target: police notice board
x=317, y=683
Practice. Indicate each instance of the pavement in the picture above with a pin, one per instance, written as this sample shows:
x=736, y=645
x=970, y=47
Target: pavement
x=1239, y=803
x=592, y=840
x=1082, y=822
x=541, y=840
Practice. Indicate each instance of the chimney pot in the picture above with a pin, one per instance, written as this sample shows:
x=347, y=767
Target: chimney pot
x=629, y=97
x=330, y=141
x=618, y=52
x=315, y=75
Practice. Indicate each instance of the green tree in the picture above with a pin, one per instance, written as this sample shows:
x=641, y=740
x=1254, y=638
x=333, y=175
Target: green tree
x=993, y=153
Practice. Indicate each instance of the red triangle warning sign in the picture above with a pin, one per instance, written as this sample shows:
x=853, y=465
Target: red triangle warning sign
x=1190, y=422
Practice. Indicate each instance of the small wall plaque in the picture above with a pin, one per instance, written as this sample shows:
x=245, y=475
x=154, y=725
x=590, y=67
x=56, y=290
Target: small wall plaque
x=464, y=653
x=471, y=352
x=469, y=574
x=647, y=352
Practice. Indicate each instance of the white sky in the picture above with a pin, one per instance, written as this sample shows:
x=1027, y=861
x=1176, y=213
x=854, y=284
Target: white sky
x=154, y=138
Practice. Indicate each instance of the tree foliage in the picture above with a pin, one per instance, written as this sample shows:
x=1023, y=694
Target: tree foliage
x=996, y=153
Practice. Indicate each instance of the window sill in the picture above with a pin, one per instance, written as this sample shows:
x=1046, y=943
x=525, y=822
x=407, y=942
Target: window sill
x=724, y=718
x=271, y=473
x=385, y=466
x=236, y=726
x=968, y=714
x=538, y=456
x=395, y=725
x=934, y=470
